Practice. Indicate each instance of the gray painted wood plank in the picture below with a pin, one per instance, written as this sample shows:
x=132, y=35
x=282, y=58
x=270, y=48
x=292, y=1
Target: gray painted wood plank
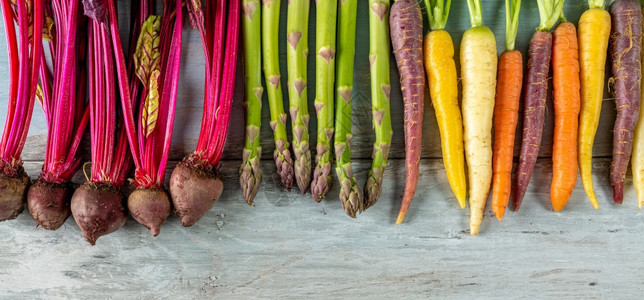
x=289, y=246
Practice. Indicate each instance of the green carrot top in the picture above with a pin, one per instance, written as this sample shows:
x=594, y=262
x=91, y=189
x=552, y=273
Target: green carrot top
x=596, y=4
x=549, y=12
x=512, y=8
x=437, y=13
x=476, y=15
x=562, y=15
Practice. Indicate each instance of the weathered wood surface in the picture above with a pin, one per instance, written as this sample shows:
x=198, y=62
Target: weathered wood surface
x=289, y=246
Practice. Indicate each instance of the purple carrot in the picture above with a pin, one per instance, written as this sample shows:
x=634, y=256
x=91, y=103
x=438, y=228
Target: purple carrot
x=534, y=105
x=625, y=51
x=406, y=27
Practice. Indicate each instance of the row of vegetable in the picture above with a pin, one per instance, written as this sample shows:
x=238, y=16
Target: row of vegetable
x=491, y=91
x=132, y=99
x=85, y=59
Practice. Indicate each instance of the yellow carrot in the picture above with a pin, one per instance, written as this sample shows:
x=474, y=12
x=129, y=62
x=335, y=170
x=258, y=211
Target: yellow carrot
x=594, y=30
x=637, y=159
x=478, y=73
x=443, y=88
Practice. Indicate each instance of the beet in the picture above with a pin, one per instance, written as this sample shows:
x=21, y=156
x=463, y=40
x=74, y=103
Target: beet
x=49, y=203
x=150, y=207
x=193, y=192
x=13, y=194
x=98, y=210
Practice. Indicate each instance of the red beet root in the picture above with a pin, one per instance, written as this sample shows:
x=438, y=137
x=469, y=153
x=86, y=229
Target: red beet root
x=193, y=192
x=98, y=210
x=49, y=203
x=13, y=193
x=150, y=207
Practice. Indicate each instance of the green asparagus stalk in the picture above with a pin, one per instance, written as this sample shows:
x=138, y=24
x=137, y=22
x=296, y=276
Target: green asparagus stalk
x=249, y=174
x=350, y=194
x=380, y=90
x=270, y=34
x=297, y=25
x=326, y=14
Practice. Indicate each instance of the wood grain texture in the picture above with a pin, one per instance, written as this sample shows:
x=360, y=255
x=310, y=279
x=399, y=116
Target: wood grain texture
x=289, y=246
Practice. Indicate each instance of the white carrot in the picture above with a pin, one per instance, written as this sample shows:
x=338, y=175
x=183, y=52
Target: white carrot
x=478, y=73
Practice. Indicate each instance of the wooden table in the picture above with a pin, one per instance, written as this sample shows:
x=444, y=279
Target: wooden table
x=289, y=246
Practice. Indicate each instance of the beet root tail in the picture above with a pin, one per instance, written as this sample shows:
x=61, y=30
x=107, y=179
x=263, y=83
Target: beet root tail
x=150, y=207
x=193, y=192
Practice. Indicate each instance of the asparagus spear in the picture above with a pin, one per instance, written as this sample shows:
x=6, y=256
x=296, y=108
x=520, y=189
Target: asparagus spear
x=350, y=194
x=326, y=14
x=270, y=34
x=249, y=173
x=380, y=90
x=297, y=25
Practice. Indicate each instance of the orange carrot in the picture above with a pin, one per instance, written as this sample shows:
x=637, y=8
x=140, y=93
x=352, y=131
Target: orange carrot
x=565, y=70
x=506, y=113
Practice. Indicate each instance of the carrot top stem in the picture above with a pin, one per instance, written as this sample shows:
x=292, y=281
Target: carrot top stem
x=512, y=8
x=549, y=12
x=437, y=13
x=476, y=15
x=596, y=4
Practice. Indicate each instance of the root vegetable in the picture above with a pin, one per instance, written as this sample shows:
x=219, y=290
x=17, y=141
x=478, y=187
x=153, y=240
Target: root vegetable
x=197, y=190
x=637, y=161
x=49, y=203
x=406, y=27
x=565, y=79
x=625, y=52
x=98, y=210
x=594, y=30
x=97, y=205
x=13, y=195
x=63, y=102
x=534, y=97
x=506, y=111
x=443, y=89
x=24, y=63
x=200, y=167
x=155, y=64
x=478, y=74
x=150, y=207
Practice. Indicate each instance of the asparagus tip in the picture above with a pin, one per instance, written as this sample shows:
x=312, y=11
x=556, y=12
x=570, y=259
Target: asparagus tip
x=322, y=181
x=284, y=164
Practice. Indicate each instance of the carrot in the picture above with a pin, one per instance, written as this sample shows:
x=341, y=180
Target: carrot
x=443, y=89
x=565, y=80
x=637, y=162
x=506, y=111
x=625, y=52
x=594, y=29
x=534, y=97
x=406, y=28
x=478, y=72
